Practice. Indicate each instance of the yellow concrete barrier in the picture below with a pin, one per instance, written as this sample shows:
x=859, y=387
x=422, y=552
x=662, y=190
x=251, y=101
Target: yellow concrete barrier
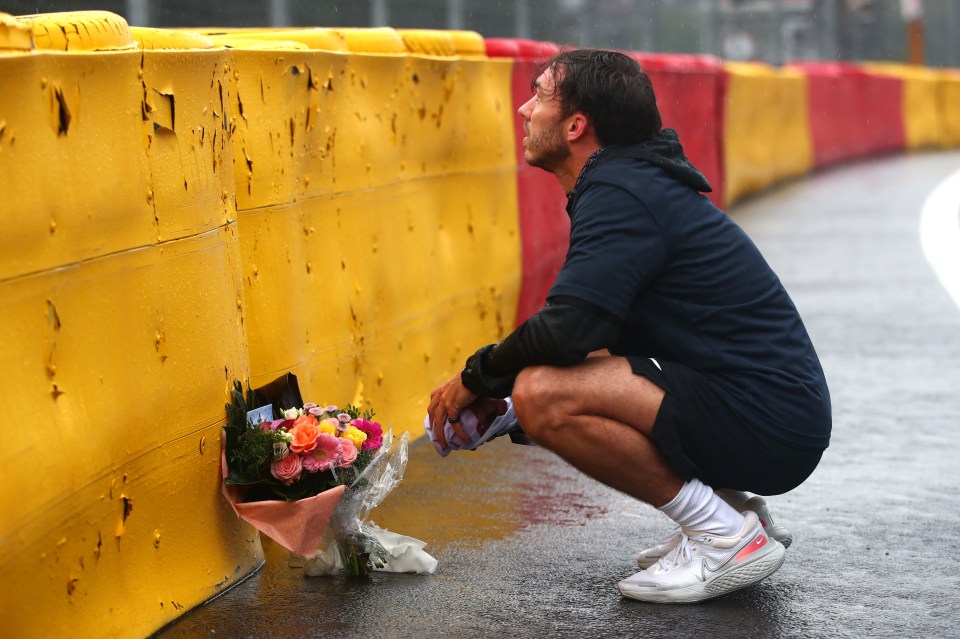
x=380, y=40
x=120, y=303
x=255, y=42
x=469, y=44
x=428, y=42
x=766, y=128
x=376, y=246
x=378, y=224
x=322, y=39
x=150, y=39
x=949, y=106
x=80, y=31
x=15, y=35
x=921, y=103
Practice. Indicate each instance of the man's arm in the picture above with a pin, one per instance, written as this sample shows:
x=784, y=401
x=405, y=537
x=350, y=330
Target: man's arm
x=564, y=332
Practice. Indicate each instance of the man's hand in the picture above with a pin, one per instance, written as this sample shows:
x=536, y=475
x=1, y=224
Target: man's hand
x=487, y=409
x=446, y=402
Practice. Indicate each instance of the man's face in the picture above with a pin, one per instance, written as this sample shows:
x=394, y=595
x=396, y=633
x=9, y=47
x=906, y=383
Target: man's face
x=545, y=145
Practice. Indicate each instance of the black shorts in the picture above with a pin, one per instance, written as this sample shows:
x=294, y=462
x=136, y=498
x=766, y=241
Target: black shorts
x=702, y=436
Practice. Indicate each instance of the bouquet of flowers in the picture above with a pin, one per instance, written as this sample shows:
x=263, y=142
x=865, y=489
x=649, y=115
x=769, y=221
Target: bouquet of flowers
x=308, y=475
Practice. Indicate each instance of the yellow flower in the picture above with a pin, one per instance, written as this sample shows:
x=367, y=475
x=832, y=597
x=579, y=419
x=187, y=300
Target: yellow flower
x=355, y=435
x=329, y=426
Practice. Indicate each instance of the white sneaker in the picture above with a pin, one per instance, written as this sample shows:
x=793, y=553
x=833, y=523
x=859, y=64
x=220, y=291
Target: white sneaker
x=703, y=566
x=759, y=505
x=650, y=556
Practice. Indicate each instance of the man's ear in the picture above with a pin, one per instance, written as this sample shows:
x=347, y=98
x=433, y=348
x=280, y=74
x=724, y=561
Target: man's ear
x=577, y=126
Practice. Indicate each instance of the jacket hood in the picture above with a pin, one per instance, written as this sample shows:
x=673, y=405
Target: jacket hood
x=663, y=150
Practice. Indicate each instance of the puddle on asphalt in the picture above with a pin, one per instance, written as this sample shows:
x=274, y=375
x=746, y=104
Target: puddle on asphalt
x=475, y=497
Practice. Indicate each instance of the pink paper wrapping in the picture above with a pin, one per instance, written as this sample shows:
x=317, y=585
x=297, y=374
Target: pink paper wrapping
x=296, y=525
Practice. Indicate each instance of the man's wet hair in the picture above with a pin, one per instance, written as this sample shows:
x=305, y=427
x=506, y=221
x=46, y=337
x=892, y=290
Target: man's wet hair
x=609, y=88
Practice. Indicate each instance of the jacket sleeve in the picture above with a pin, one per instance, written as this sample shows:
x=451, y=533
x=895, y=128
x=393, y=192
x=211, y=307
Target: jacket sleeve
x=564, y=332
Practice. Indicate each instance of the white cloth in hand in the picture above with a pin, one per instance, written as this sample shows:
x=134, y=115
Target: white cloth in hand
x=476, y=433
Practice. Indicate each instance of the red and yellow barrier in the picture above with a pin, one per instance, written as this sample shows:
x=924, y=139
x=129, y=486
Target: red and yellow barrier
x=852, y=113
x=948, y=102
x=544, y=224
x=185, y=208
x=921, y=109
x=766, y=130
x=689, y=97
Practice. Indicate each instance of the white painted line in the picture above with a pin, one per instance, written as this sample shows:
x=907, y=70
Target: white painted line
x=940, y=233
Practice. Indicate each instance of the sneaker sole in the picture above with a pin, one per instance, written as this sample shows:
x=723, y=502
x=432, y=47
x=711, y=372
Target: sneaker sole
x=724, y=583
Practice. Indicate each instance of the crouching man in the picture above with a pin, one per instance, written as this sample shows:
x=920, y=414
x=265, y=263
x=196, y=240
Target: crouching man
x=665, y=331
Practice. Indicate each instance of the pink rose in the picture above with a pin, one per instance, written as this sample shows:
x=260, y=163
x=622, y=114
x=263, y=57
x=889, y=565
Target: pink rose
x=288, y=469
x=348, y=455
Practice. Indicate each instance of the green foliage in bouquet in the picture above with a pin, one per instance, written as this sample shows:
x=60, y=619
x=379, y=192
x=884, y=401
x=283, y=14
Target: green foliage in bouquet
x=248, y=447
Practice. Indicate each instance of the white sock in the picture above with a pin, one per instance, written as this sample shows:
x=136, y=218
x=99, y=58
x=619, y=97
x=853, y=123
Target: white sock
x=696, y=508
x=736, y=498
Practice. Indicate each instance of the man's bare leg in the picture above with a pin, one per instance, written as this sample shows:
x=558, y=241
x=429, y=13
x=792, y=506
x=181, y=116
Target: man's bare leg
x=599, y=416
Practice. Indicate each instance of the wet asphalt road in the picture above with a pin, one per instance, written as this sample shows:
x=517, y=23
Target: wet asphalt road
x=528, y=547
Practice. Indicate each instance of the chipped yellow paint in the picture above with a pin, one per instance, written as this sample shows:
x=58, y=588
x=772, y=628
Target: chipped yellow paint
x=56, y=106
x=80, y=31
x=186, y=98
x=118, y=453
x=376, y=246
x=766, y=128
x=378, y=224
x=121, y=297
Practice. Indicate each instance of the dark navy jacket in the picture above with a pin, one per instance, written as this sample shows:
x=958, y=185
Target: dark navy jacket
x=655, y=270
x=689, y=286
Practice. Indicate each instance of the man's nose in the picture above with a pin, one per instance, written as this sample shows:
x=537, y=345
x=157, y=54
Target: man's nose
x=524, y=110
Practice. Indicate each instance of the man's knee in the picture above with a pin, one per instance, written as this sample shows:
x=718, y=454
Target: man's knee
x=527, y=390
x=536, y=401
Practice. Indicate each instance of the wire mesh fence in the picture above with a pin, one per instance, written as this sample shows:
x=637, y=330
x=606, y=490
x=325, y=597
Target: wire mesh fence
x=773, y=31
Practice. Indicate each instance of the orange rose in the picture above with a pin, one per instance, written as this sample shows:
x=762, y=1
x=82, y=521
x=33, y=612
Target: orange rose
x=305, y=432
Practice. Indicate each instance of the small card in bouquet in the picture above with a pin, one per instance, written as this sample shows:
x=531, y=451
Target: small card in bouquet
x=262, y=414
